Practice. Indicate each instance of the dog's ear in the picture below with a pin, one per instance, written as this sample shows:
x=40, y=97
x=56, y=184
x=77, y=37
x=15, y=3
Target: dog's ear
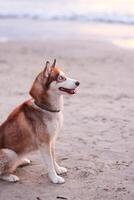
x=46, y=70
x=53, y=65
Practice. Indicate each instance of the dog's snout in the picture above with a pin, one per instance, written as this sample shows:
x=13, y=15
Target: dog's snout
x=77, y=83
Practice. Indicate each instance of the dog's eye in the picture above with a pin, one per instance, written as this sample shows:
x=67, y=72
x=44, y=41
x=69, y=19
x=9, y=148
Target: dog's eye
x=61, y=78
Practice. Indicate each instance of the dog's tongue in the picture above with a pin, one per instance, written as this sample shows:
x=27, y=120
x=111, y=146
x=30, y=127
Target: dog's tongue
x=70, y=91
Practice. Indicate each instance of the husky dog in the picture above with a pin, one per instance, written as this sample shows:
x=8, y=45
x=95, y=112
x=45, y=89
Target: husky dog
x=35, y=124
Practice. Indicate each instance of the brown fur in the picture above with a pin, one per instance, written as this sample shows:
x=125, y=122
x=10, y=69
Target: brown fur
x=25, y=123
x=41, y=85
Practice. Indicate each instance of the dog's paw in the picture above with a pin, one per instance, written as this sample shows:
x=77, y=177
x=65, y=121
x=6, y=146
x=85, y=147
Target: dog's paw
x=10, y=178
x=61, y=170
x=57, y=179
x=13, y=178
x=24, y=162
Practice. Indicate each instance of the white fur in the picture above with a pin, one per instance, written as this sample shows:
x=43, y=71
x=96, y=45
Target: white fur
x=53, y=127
x=68, y=84
x=47, y=156
x=10, y=178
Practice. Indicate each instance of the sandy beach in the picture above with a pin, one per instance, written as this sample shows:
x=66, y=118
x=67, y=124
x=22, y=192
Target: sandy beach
x=96, y=142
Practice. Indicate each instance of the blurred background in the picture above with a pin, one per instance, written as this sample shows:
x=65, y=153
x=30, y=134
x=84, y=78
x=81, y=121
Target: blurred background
x=78, y=19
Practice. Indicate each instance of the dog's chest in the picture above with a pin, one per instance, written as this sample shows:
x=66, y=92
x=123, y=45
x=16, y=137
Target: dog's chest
x=54, y=124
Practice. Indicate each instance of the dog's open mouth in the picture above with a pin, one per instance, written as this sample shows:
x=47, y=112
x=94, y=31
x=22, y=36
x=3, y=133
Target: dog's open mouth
x=69, y=91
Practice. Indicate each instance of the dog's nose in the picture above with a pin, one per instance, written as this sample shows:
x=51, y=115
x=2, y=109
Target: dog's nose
x=77, y=83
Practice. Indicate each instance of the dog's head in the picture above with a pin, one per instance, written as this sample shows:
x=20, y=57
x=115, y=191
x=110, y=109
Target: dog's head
x=53, y=80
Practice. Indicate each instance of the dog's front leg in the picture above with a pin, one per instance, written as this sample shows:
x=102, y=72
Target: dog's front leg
x=59, y=169
x=47, y=155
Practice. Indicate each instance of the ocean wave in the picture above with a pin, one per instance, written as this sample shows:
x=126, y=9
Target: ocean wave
x=89, y=17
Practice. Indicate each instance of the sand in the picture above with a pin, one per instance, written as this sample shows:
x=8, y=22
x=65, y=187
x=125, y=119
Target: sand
x=96, y=142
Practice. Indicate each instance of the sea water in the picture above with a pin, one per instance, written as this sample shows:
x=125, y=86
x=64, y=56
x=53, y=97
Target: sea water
x=26, y=18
